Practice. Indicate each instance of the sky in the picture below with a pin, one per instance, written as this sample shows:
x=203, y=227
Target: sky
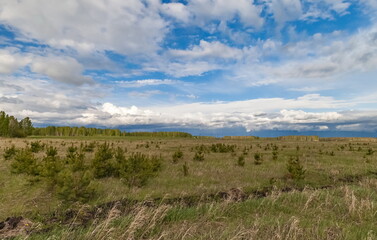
x=214, y=67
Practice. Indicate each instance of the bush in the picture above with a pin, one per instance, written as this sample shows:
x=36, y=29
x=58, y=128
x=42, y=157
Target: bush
x=295, y=169
x=51, y=151
x=25, y=162
x=36, y=146
x=120, y=159
x=258, y=158
x=369, y=151
x=201, y=148
x=103, y=164
x=51, y=165
x=241, y=161
x=89, y=147
x=75, y=186
x=71, y=152
x=75, y=159
x=177, y=155
x=199, y=156
x=222, y=148
x=274, y=155
x=9, y=152
x=138, y=168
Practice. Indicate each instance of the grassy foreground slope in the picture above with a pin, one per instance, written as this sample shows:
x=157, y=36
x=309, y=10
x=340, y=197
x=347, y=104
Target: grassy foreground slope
x=204, y=189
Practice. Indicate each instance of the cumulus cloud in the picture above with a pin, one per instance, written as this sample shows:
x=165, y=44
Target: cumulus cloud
x=11, y=60
x=176, y=10
x=59, y=105
x=44, y=101
x=128, y=27
x=311, y=10
x=209, y=50
x=63, y=69
x=235, y=115
x=318, y=57
x=78, y=42
x=58, y=68
x=223, y=10
x=285, y=10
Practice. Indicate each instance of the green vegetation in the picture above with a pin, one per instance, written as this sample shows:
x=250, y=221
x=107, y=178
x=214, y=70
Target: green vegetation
x=89, y=132
x=194, y=188
x=177, y=155
x=241, y=161
x=11, y=127
x=295, y=169
x=258, y=158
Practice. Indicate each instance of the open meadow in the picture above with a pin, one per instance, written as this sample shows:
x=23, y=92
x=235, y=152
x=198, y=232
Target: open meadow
x=188, y=188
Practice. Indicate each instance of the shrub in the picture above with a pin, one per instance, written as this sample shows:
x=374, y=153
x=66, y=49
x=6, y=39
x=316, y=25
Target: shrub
x=36, y=146
x=103, y=164
x=51, y=151
x=120, y=159
x=258, y=158
x=51, y=165
x=71, y=152
x=241, y=161
x=138, y=168
x=274, y=155
x=295, y=169
x=177, y=155
x=75, y=186
x=89, y=147
x=75, y=159
x=25, y=162
x=370, y=151
x=201, y=148
x=199, y=156
x=9, y=152
x=222, y=148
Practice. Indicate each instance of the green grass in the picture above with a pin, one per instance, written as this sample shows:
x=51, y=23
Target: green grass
x=336, y=199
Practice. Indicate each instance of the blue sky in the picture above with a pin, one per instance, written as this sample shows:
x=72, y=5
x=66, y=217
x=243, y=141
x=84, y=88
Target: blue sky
x=216, y=65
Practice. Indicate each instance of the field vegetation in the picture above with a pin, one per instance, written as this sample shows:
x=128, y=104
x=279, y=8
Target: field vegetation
x=182, y=187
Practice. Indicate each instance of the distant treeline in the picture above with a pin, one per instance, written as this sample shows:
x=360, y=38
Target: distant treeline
x=11, y=127
x=83, y=131
x=75, y=132
x=159, y=134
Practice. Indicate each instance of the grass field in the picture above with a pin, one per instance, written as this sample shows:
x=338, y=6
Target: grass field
x=232, y=189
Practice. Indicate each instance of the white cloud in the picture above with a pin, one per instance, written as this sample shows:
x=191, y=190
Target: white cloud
x=145, y=94
x=176, y=10
x=46, y=102
x=146, y=82
x=76, y=106
x=11, y=60
x=371, y=4
x=248, y=114
x=318, y=58
x=224, y=10
x=63, y=69
x=285, y=10
x=58, y=68
x=182, y=68
x=209, y=50
x=128, y=27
